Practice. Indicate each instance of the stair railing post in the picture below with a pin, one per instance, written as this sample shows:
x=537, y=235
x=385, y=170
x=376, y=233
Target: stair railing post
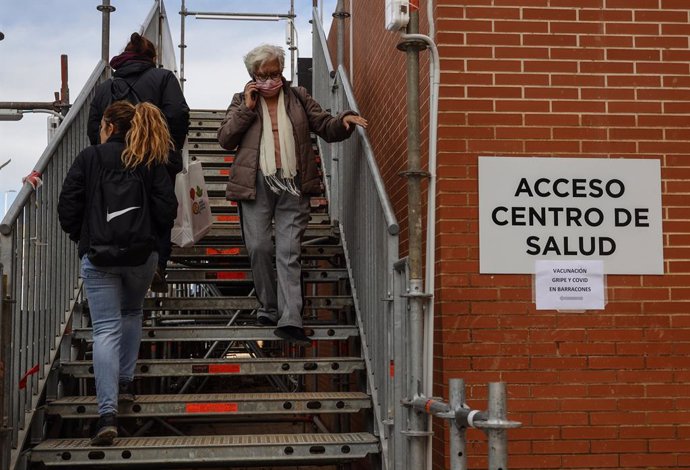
x=498, y=436
x=458, y=453
x=5, y=367
x=105, y=9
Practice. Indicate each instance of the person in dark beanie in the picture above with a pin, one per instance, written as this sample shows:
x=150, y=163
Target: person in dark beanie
x=136, y=73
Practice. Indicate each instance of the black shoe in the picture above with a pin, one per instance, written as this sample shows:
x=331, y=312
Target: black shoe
x=293, y=334
x=159, y=284
x=106, y=430
x=126, y=392
x=265, y=321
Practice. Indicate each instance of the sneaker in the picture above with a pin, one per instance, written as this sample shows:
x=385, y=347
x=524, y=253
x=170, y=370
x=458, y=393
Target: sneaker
x=265, y=321
x=106, y=430
x=293, y=334
x=126, y=392
x=159, y=284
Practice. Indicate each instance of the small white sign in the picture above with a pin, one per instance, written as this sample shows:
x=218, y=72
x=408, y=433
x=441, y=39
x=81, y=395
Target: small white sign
x=569, y=285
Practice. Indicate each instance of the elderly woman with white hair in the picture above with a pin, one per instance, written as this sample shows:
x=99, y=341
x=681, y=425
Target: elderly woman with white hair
x=273, y=175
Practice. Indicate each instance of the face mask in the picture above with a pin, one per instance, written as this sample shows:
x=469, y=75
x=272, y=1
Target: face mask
x=270, y=87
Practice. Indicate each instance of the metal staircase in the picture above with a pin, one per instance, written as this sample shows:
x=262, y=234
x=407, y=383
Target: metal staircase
x=214, y=389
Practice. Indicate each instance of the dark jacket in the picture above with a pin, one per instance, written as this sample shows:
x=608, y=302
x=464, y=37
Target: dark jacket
x=242, y=129
x=74, y=196
x=153, y=85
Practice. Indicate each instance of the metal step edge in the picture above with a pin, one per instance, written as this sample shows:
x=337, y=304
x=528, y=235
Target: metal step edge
x=231, y=250
x=232, y=303
x=312, y=231
x=227, y=333
x=228, y=367
x=220, y=404
x=194, y=450
x=230, y=276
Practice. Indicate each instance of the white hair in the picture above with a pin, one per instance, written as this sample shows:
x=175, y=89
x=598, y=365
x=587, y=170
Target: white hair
x=262, y=54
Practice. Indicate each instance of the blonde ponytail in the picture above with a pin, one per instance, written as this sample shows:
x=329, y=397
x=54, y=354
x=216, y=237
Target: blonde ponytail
x=148, y=139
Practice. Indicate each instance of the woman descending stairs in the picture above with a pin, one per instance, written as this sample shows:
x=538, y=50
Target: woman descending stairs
x=213, y=387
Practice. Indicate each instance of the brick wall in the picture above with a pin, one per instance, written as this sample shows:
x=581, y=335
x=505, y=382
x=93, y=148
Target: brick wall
x=594, y=78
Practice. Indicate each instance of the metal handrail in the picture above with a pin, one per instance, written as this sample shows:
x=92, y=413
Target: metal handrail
x=386, y=206
x=359, y=205
x=27, y=189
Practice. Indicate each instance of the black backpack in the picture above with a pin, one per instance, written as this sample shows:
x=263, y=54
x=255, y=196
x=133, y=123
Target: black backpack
x=119, y=217
x=121, y=89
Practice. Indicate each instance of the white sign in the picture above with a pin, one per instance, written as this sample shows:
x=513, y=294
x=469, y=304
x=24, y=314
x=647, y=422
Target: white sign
x=569, y=285
x=570, y=209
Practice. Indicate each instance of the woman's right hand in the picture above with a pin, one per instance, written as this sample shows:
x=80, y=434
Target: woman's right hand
x=251, y=94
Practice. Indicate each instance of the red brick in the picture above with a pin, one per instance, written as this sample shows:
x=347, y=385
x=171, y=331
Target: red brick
x=494, y=65
x=674, y=4
x=619, y=446
x=632, y=4
x=544, y=14
x=561, y=447
x=602, y=15
x=605, y=41
x=492, y=13
x=577, y=27
x=634, y=107
x=493, y=39
x=675, y=29
x=648, y=460
x=657, y=16
x=522, y=106
x=634, y=55
x=578, y=106
x=534, y=79
x=562, y=53
x=577, y=3
x=633, y=81
x=561, y=419
x=553, y=40
x=607, y=94
x=651, y=29
x=522, y=53
x=646, y=431
x=606, y=67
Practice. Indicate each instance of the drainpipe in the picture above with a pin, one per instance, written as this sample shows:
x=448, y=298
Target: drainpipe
x=417, y=421
x=105, y=9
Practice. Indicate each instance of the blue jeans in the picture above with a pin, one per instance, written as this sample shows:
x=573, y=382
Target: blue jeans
x=116, y=297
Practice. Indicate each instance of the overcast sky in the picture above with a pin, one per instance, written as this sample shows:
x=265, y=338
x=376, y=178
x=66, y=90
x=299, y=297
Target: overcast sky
x=37, y=32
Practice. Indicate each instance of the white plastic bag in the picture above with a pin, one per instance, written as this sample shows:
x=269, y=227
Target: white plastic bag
x=194, y=217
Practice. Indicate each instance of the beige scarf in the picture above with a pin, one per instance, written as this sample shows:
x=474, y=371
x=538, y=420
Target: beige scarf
x=267, y=151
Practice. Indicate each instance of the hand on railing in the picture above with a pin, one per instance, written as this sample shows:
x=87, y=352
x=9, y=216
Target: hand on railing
x=354, y=119
x=34, y=179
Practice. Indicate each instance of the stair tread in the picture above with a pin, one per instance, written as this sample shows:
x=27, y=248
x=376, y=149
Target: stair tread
x=218, y=405
x=238, y=302
x=223, y=397
x=194, y=332
x=219, y=449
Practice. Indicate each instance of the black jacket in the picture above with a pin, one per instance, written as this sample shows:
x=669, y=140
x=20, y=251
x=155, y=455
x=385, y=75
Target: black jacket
x=74, y=196
x=154, y=85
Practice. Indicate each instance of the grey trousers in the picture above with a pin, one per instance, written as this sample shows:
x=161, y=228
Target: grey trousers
x=281, y=301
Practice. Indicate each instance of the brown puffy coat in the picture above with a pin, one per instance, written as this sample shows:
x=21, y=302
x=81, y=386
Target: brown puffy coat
x=242, y=129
